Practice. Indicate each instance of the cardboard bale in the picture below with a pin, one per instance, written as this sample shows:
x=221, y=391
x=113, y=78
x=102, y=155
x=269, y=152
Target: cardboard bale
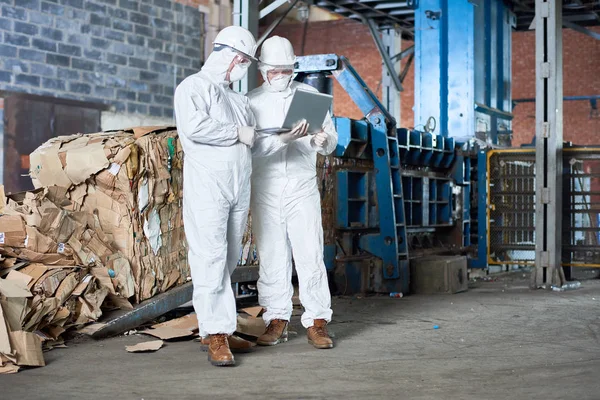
x=115, y=203
x=57, y=271
x=60, y=237
x=130, y=182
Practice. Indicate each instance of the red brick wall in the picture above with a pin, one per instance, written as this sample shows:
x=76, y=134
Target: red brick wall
x=343, y=37
x=581, y=77
x=581, y=74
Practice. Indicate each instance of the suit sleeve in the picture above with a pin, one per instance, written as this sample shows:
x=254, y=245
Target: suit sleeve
x=192, y=111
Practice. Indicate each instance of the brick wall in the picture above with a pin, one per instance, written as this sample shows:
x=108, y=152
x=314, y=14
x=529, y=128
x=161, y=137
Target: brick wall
x=344, y=37
x=581, y=74
x=124, y=53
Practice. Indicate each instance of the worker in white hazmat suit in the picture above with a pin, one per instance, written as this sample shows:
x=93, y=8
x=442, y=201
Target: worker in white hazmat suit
x=286, y=205
x=217, y=129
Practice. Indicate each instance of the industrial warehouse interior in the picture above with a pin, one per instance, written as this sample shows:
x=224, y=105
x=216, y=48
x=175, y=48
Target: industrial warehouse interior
x=169, y=204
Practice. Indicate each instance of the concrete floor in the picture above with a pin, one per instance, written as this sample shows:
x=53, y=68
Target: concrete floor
x=497, y=341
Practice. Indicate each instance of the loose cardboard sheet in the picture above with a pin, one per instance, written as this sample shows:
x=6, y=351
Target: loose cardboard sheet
x=145, y=346
x=46, y=167
x=168, y=332
x=2, y=199
x=28, y=347
x=85, y=161
x=15, y=310
x=9, y=368
x=253, y=311
x=21, y=278
x=250, y=326
x=5, y=347
x=14, y=289
x=189, y=322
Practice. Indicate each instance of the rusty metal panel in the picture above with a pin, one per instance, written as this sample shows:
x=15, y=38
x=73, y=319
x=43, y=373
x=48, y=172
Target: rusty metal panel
x=26, y=126
x=31, y=120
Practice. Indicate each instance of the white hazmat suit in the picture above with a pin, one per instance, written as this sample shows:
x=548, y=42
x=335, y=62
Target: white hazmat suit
x=286, y=205
x=213, y=123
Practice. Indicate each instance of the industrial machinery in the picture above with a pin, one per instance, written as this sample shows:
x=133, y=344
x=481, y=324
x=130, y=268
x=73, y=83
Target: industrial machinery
x=391, y=194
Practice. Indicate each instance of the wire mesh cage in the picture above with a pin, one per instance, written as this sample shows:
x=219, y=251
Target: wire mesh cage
x=511, y=207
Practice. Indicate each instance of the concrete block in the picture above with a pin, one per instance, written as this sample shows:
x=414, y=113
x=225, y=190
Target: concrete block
x=438, y=274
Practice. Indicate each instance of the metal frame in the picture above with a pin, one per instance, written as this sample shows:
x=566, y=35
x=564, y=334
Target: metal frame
x=245, y=14
x=549, y=143
x=592, y=152
x=390, y=243
x=388, y=13
x=276, y=23
x=385, y=55
x=270, y=8
x=390, y=95
x=581, y=29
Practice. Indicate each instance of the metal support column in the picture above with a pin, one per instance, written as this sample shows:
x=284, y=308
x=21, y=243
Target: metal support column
x=245, y=14
x=549, y=143
x=385, y=55
x=390, y=96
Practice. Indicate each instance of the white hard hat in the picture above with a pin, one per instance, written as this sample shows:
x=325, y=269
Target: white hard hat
x=238, y=38
x=277, y=51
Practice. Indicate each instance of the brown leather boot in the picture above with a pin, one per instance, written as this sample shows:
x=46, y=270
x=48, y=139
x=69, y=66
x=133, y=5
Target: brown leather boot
x=276, y=333
x=236, y=344
x=318, y=336
x=218, y=351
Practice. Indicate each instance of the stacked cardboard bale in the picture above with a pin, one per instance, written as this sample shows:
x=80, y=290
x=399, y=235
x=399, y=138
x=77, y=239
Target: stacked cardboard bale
x=103, y=229
x=57, y=269
x=131, y=181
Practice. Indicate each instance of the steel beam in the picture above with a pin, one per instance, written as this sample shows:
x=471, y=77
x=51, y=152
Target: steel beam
x=275, y=23
x=390, y=95
x=270, y=8
x=581, y=29
x=401, y=12
x=385, y=55
x=119, y=321
x=406, y=67
x=549, y=143
x=404, y=53
x=123, y=320
x=245, y=14
x=391, y=5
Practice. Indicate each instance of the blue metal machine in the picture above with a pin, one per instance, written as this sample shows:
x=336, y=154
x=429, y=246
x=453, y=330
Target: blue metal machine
x=463, y=81
x=409, y=196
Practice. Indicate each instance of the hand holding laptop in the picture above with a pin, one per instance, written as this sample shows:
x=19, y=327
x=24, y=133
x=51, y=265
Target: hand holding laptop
x=298, y=131
x=311, y=107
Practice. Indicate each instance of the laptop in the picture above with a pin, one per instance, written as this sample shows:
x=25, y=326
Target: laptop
x=311, y=106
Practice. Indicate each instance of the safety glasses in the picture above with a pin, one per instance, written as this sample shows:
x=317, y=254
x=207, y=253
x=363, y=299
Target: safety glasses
x=242, y=60
x=282, y=71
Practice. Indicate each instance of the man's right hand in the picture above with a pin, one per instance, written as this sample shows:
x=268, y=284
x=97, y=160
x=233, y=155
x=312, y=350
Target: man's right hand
x=247, y=135
x=297, y=132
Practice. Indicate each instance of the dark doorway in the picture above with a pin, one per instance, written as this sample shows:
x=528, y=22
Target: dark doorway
x=31, y=120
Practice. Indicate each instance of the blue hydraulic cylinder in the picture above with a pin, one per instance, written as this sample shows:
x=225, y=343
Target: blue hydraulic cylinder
x=462, y=68
x=444, y=67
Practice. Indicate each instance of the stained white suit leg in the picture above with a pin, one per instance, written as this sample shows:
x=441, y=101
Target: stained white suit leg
x=305, y=231
x=275, y=288
x=206, y=215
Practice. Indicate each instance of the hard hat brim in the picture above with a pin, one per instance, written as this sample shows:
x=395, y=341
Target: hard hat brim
x=254, y=59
